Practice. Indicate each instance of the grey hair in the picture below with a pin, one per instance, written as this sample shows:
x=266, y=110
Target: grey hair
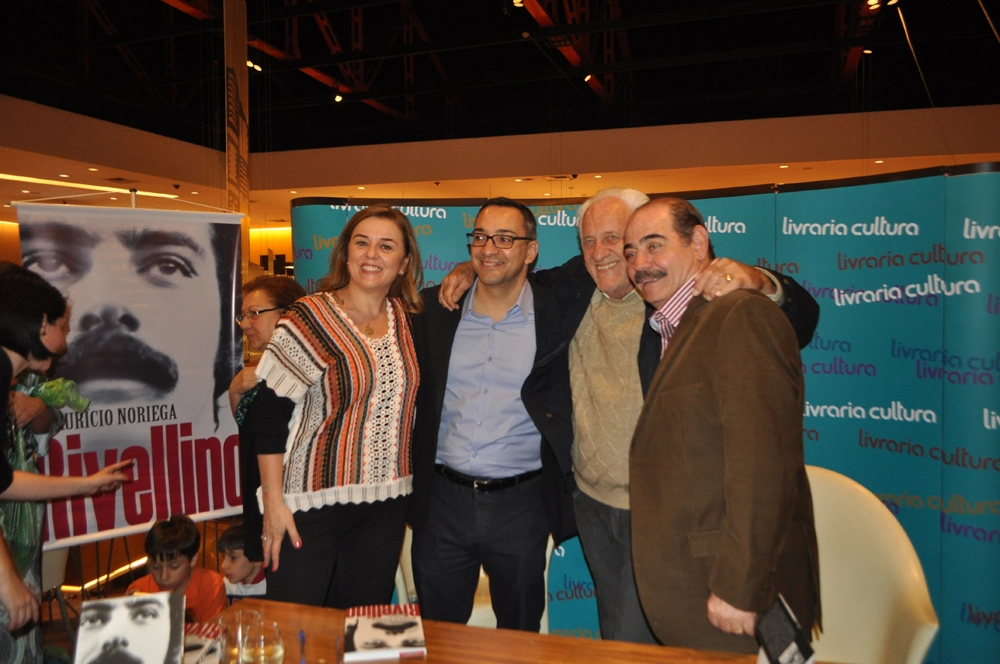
x=632, y=198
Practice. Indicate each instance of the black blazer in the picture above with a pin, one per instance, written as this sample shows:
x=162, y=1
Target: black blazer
x=559, y=308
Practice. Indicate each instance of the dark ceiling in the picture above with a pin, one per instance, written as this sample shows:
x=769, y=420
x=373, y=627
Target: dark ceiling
x=432, y=69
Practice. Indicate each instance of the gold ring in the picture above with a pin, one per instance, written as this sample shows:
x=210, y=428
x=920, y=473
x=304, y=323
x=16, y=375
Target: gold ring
x=729, y=277
x=739, y=630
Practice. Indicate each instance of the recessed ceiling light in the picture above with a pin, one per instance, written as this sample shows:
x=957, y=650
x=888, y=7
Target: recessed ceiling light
x=5, y=205
x=92, y=170
x=249, y=63
x=360, y=187
x=257, y=68
x=338, y=98
x=25, y=191
x=587, y=78
x=194, y=193
x=598, y=177
x=114, y=198
x=880, y=161
x=783, y=166
x=780, y=183
x=517, y=179
x=63, y=175
x=867, y=51
x=548, y=194
x=293, y=192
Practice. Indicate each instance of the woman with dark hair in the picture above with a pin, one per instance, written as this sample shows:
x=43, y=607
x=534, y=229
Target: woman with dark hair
x=34, y=322
x=344, y=360
x=262, y=429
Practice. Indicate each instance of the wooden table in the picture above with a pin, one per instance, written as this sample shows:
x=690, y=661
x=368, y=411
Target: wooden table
x=448, y=643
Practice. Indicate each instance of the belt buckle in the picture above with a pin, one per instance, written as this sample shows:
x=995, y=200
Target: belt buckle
x=476, y=484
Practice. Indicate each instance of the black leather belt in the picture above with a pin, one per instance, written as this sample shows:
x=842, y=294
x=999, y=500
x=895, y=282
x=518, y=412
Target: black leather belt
x=484, y=483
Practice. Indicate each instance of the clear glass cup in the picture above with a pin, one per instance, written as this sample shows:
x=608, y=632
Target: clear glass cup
x=234, y=626
x=263, y=644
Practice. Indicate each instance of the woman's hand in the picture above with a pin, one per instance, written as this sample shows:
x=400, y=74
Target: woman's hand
x=278, y=521
x=26, y=409
x=241, y=383
x=109, y=478
x=20, y=602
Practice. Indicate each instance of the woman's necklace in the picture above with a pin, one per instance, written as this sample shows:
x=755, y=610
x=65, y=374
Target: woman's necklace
x=366, y=327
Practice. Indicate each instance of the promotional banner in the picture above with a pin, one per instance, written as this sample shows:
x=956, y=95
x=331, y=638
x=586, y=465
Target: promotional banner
x=902, y=375
x=153, y=345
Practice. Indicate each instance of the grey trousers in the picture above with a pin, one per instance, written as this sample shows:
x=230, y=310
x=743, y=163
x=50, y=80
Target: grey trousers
x=606, y=536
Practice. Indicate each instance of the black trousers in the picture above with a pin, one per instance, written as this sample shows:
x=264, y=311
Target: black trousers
x=348, y=557
x=504, y=531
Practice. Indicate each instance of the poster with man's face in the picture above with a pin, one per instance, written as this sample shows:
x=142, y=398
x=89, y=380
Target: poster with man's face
x=153, y=344
x=135, y=629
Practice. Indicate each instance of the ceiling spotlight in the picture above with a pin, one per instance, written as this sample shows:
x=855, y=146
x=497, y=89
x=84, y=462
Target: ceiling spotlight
x=587, y=78
x=867, y=51
x=598, y=177
x=194, y=193
x=114, y=198
x=519, y=3
x=548, y=194
x=361, y=188
x=880, y=161
x=873, y=2
x=257, y=67
x=783, y=166
x=874, y=7
x=293, y=192
x=92, y=170
x=249, y=63
x=338, y=98
x=892, y=2
x=63, y=175
x=517, y=179
x=25, y=191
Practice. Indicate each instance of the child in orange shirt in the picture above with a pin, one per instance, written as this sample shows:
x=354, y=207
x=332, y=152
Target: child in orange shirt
x=172, y=551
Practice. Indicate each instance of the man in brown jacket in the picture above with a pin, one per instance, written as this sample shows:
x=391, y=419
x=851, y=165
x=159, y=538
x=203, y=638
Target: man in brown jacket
x=722, y=519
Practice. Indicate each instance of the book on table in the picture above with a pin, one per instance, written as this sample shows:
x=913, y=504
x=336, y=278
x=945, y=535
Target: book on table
x=381, y=632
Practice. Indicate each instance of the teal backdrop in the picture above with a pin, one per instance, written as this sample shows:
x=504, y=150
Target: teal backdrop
x=902, y=376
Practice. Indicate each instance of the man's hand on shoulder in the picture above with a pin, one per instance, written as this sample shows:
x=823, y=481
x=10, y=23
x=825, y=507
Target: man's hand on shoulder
x=724, y=275
x=455, y=284
x=726, y=617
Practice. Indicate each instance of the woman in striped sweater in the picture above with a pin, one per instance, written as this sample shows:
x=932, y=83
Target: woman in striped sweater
x=335, y=502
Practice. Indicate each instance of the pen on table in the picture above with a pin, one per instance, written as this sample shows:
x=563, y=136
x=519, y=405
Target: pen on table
x=302, y=646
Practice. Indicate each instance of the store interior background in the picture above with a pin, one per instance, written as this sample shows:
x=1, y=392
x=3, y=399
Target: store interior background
x=740, y=114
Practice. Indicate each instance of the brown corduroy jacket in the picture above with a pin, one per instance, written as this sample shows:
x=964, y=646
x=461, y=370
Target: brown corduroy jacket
x=719, y=494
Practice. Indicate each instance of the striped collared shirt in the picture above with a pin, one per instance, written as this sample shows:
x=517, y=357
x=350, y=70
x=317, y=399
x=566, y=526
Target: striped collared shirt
x=665, y=319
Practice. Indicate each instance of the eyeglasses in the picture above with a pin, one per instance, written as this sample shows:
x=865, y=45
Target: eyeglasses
x=253, y=315
x=499, y=241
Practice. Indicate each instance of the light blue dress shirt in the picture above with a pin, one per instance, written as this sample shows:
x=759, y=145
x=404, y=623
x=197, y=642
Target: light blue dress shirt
x=485, y=429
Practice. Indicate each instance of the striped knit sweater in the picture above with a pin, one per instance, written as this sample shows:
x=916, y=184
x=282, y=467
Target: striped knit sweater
x=349, y=437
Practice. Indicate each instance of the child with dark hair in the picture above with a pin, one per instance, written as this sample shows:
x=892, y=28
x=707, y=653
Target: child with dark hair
x=172, y=551
x=244, y=577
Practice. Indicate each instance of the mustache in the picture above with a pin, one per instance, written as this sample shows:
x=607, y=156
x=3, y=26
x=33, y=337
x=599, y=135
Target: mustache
x=643, y=275
x=115, y=354
x=116, y=656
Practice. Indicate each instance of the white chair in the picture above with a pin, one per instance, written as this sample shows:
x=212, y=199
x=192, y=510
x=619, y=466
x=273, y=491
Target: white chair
x=53, y=576
x=876, y=607
x=406, y=589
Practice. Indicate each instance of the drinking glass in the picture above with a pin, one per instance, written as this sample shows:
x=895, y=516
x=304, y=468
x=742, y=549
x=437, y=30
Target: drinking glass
x=263, y=644
x=234, y=626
